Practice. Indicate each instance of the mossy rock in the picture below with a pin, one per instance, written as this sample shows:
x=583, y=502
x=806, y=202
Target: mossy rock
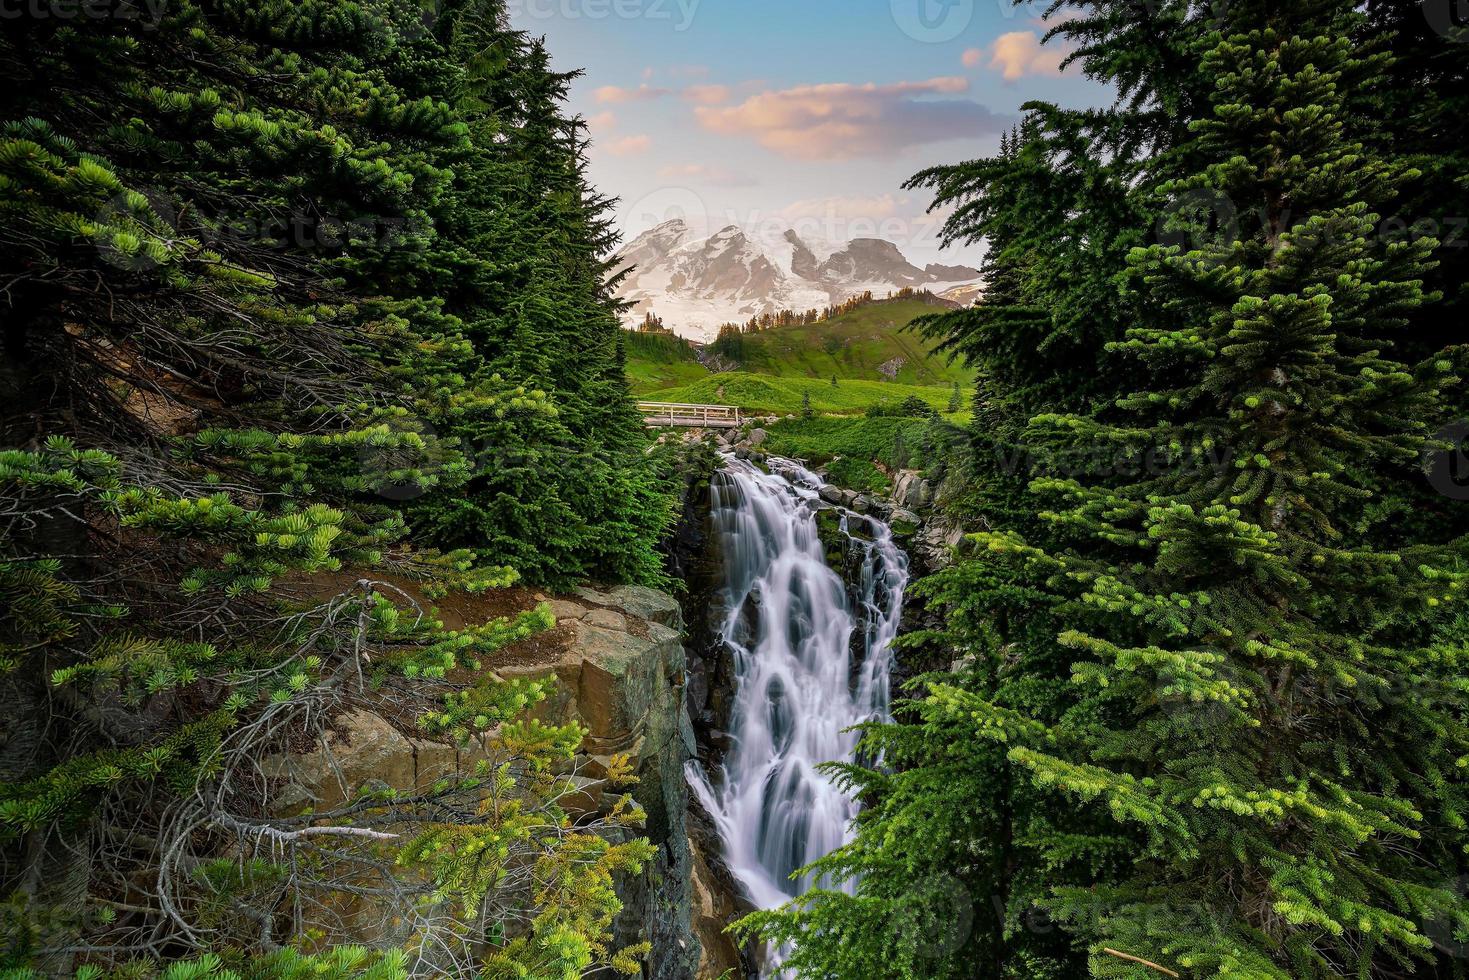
x=833, y=541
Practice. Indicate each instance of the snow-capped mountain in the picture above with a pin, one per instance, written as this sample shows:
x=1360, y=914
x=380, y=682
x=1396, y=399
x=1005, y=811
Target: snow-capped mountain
x=695, y=284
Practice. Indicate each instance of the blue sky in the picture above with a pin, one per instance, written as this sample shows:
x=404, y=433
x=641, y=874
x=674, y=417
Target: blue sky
x=796, y=113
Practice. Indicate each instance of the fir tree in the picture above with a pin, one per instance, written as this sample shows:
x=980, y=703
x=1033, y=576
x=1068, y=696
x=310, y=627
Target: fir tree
x=1205, y=708
x=251, y=276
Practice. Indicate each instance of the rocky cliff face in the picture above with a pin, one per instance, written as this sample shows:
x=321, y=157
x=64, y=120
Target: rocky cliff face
x=619, y=661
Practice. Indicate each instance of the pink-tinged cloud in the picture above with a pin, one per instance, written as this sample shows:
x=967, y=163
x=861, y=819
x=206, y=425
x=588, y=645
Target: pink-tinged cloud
x=1018, y=54
x=842, y=121
x=873, y=208
x=614, y=95
x=707, y=94
x=629, y=146
x=701, y=174
x=603, y=121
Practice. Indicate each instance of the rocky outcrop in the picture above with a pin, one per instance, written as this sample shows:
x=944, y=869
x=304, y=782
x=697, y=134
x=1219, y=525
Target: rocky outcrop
x=912, y=491
x=619, y=661
x=622, y=677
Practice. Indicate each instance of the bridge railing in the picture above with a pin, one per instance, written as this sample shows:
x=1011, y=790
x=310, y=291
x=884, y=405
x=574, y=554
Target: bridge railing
x=675, y=413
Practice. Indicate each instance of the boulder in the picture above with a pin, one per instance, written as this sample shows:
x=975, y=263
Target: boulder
x=832, y=494
x=361, y=748
x=639, y=602
x=911, y=491
x=936, y=543
x=756, y=437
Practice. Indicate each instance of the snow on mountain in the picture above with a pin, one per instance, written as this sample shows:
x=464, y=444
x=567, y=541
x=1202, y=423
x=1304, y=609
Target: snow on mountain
x=695, y=284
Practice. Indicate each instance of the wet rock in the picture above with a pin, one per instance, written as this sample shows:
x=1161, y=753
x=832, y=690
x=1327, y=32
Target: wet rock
x=713, y=908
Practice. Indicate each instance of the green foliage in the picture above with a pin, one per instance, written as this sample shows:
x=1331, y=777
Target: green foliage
x=308, y=327
x=758, y=394
x=341, y=963
x=1205, y=708
x=854, y=345
x=886, y=439
x=660, y=360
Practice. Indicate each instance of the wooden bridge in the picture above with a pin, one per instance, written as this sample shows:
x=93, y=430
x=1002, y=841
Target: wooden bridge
x=662, y=414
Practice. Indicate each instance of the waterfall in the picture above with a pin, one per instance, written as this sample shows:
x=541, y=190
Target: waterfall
x=811, y=659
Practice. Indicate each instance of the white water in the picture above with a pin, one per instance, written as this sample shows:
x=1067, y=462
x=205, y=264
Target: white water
x=790, y=623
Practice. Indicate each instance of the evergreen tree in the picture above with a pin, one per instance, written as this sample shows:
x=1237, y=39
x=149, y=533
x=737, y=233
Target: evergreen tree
x=257, y=295
x=1207, y=710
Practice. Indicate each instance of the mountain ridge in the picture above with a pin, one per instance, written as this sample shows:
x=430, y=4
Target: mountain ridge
x=697, y=283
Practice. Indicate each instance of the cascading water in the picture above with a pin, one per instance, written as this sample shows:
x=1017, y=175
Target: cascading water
x=791, y=622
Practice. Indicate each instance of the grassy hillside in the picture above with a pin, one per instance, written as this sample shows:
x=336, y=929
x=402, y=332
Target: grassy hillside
x=852, y=446
x=853, y=346
x=657, y=360
x=775, y=366
x=761, y=393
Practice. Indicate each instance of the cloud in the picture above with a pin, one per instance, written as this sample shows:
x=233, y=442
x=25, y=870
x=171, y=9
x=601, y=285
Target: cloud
x=699, y=173
x=1018, y=54
x=845, y=208
x=842, y=121
x=629, y=146
x=707, y=94
x=603, y=121
x=614, y=95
